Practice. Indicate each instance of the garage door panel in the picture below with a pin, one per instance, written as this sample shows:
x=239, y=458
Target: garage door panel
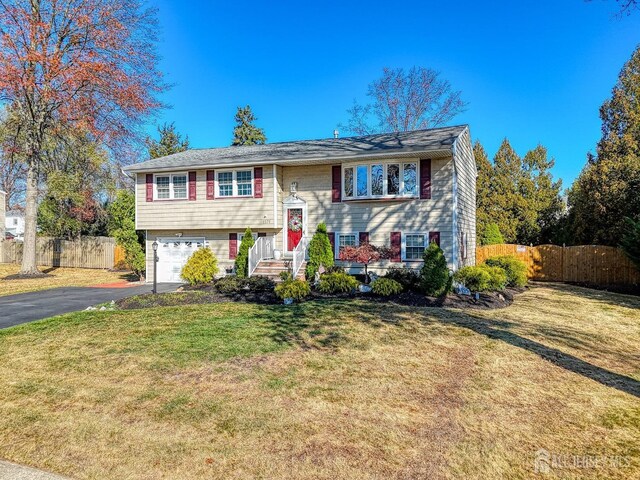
x=173, y=254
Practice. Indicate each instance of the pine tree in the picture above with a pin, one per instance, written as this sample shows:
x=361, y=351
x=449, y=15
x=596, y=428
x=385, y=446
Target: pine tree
x=630, y=242
x=484, y=203
x=517, y=195
x=320, y=251
x=170, y=142
x=245, y=132
x=491, y=235
x=607, y=189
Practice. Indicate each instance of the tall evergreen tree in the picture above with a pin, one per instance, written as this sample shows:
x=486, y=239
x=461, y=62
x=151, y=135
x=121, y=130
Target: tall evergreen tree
x=607, y=189
x=245, y=132
x=516, y=196
x=484, y=203
x=170, y=142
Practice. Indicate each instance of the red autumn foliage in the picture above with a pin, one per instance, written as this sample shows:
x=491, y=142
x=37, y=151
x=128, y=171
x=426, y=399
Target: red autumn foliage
x=75, y=66
x=365, y=254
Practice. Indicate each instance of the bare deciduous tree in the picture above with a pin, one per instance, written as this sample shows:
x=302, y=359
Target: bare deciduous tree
x=405, y=100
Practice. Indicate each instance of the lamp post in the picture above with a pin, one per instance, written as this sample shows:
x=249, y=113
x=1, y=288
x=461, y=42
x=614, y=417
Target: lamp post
x=154, y=245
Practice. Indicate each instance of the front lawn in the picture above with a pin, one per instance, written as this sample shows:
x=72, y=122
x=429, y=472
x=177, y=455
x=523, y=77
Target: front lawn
x=327, y=389
x=58, y=277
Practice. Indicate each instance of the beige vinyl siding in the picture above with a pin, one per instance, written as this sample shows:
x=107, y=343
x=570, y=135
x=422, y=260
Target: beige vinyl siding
x=378, y=217
x=221, y=213
x=465, y=204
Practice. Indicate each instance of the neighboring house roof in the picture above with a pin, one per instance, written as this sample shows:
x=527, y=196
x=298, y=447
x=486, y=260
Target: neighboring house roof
x=433, y=141
x=14, y=213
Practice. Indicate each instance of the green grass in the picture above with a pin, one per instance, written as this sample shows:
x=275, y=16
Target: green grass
x=337, y=389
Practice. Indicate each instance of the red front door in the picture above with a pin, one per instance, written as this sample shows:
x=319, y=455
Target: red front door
x=294, y=228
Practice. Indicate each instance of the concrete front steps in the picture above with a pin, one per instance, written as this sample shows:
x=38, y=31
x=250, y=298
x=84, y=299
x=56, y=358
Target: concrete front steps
x=272, y=269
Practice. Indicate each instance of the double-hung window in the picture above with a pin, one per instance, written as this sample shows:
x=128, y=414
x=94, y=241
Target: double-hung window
x=380, y=180
x=235, y=183
x=414, y=245
x=171, y=186
x=345, y=240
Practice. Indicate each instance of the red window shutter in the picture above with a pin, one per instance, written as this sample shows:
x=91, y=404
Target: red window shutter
x=332, y=241
x=434, y=237
x=425, y=178
x=336, y=183
x=396, y=244
x=192, y=185
x=211, y=186
x=257, y=182
x=149, y=187
x=233, y=245
x=262, y=234
x=363, y=237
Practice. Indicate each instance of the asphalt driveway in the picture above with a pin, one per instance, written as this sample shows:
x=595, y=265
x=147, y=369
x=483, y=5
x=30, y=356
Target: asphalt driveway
x=27, y=307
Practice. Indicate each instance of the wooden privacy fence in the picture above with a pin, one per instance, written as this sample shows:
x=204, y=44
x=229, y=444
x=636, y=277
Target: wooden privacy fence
x=593, y=264
x=86, y=252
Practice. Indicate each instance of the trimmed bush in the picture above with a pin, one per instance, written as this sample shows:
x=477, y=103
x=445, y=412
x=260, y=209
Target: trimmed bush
x=229, y=284
x=242, y=259
x=482, y=278
x=407, y=277
x=201, y=268
x=386, y=287
x=296, y=289
x=515, y=269
x=320, y=251
x=434, y=273
x=259, y=284
x=492, y=235
x=332, y=283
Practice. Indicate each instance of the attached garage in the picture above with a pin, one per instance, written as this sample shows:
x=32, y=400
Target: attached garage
x=173, y=253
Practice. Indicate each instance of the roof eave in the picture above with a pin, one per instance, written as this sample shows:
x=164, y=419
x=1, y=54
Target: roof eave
x=295, y=161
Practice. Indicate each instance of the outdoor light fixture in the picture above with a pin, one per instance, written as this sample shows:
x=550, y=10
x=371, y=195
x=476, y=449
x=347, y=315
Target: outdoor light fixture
x=294, y=187
x=154, y=245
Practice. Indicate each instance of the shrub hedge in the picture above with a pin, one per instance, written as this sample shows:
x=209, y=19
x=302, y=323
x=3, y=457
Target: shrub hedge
x=515, y=269
x=331, y=283
x=295, y=289
x=482, y=278
x=386, y=287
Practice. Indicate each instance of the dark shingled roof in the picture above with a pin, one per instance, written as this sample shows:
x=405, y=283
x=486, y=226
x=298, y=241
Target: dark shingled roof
x=417, y=141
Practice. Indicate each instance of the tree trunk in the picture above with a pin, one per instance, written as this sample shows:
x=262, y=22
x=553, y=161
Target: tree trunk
x=29, y=266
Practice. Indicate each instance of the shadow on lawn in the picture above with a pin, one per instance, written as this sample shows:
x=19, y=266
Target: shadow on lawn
x=569, y=362
x=317, y=324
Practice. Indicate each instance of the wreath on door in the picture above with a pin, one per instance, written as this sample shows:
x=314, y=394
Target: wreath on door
x=295, y=222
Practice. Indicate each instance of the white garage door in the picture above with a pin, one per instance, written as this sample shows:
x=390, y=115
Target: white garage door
x=173, y=253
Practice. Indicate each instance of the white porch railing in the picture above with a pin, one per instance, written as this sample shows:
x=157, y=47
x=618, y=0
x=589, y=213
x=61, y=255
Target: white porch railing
x=261, y=250
x=299, y=255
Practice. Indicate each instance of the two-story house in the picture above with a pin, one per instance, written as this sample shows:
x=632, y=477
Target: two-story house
x=402, y=190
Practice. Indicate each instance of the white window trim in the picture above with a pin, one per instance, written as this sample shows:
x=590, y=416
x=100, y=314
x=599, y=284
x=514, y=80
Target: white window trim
x=171, y=193
x=234, y=188
x=239, y=236
x=403, y=255
x=385, y=165
x=336, y=253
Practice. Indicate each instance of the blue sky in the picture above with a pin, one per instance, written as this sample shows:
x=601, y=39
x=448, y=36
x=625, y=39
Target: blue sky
x=532, y=71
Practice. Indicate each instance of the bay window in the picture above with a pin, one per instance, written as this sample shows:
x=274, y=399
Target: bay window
x=380, y=180
x=171, y=186
x=235, y=183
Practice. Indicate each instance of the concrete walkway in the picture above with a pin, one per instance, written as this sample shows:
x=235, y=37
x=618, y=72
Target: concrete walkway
x=13, y=471
x=27, y=307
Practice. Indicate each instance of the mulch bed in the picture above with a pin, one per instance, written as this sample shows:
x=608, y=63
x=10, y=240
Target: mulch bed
x=209, y=294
